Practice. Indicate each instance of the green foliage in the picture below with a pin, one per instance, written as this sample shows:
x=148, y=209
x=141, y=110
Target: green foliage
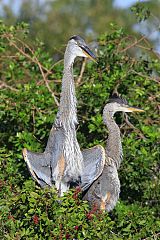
x=141, y=11
x=135, y=222
x=55, y=21
x=27, y=114
x=41, y=214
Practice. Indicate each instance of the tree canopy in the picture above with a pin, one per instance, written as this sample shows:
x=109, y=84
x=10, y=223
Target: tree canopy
x=55, y=21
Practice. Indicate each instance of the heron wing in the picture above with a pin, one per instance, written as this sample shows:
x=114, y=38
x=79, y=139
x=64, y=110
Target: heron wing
x=94, y=160
x=42, y=165
x=39, y=166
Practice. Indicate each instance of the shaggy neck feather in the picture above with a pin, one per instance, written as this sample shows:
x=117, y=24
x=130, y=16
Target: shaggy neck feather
x=67, y=119
x=113, y=146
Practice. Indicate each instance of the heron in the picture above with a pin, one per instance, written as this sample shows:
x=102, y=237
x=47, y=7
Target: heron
x=62, y=161
x=105, y=190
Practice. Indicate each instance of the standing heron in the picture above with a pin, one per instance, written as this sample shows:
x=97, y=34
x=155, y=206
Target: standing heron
x=105, y=190
x=62, y=160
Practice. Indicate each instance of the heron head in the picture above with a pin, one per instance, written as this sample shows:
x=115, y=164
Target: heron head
x=121, y=105
x=79, y=48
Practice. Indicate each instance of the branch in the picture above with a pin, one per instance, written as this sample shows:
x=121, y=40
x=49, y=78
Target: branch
x=49, y=71
x=156, y=235
x=143, y=38
x=157, y=80
x=132, y=45
x=115, y=90
x=4, y=85
x=35, y=60
x=149, y=49
x=81, y=72
x=133, y=127
x=47, y=85
x=124, y=40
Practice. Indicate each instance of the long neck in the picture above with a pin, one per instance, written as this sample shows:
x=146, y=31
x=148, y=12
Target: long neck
x=67, y=114
x=114, y=146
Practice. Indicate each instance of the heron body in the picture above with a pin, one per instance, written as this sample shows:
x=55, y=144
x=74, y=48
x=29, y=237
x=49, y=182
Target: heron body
x=62, y=160
x=70, y=163
x=105, y=190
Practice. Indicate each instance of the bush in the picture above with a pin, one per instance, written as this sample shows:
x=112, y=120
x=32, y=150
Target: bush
x=30, y=89
x=39, y=214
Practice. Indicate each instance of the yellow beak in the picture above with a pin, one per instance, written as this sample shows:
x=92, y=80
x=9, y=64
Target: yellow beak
x=134, y=109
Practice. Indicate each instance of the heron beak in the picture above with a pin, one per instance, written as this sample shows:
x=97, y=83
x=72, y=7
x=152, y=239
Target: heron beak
x=88, y=53
x=135, y=109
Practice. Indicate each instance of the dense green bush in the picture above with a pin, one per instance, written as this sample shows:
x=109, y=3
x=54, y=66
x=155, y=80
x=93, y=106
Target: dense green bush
x=30, y=83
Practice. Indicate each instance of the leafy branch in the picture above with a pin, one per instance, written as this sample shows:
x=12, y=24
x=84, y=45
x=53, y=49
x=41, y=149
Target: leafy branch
x=11, y=39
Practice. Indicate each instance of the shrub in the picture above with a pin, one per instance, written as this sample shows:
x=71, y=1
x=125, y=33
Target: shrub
x=30, y=91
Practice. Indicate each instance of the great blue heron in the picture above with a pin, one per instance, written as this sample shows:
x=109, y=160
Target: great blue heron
x=62, y=160
x=105, y=190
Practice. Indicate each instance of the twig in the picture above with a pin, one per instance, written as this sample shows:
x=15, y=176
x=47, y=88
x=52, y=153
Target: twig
x=46, y=75
x=143, y=38
x=156, y=235
x=157, y=80
x=41, y=68
x=55, y=81
x=4, y=57
x=146, y=48
x=132, y=45
x=4, y=85
x=133, y=127
x=149, y=49
x=33, y=117
x=147, y=42
x=35, y=60
x=21, y=51
x=49, y=71
x=47, y=85
x=81, y=72
x=124, y=40
x=115, y=90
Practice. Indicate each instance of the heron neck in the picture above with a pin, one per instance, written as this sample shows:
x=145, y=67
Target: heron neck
x=67, y=114
x=113, y=146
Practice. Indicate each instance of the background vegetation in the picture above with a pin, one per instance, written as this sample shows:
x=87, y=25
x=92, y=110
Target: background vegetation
x=30, y=90
x=53, y=22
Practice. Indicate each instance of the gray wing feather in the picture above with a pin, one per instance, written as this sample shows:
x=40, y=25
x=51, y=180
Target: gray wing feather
x=39, y=166
x=94, y=160
x=42, y=165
